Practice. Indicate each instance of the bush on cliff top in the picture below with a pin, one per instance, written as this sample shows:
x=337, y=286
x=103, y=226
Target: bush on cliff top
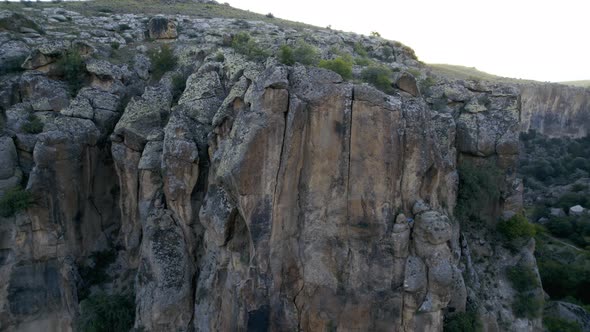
x=72, y=68
x=303, y=53
x=340, y=65
x=378, y=76
x=162, y=60
x=246, y=45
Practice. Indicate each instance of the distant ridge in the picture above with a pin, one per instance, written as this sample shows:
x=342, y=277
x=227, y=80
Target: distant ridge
x=466, y=73
x=584, y=83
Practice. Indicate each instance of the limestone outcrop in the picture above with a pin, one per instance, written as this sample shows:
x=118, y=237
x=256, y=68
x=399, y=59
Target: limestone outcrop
x=236, y=193
x=555, y=110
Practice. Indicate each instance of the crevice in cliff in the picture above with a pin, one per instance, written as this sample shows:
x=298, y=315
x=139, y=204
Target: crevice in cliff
x=297, y=307
x=402, y=152
x=281, y=154
x=348, y=135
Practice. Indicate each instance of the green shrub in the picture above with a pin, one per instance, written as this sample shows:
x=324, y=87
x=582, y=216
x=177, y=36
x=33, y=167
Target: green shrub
x=462, y=322
x=73, y=70
x=286, y=55
x=360, y=49
x=115, y=45
x=33, y=125
x=105, y=313
x=303, y=53
x=163, y=60
x=478, y=190
x=574, y=228
x=340, y=65
x=527, y=305
x=362, y=61
x=516, y=227
x=579, y=187
x=415, y=72
x=556, y=324
x=219, y=57
x=378, y=76
x=15, y=200
x=571, y=199
x=244, y=44
x=375, y=34
x=427, y=83
x=522, y=278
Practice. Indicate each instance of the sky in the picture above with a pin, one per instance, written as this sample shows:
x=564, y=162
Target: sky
x=529, y=39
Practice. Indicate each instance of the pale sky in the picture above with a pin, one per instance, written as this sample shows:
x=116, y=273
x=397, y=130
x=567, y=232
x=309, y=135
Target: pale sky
x=540, y=40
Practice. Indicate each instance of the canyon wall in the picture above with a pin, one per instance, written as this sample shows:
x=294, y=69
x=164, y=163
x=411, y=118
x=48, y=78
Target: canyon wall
x=555, y=110
x=260, y=197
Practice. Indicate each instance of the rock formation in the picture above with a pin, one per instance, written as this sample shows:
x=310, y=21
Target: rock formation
x=556, y=110
x=264, y=197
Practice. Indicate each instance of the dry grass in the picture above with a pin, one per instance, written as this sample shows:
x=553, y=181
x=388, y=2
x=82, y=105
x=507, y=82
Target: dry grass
x=152, y=7
x=471, y=73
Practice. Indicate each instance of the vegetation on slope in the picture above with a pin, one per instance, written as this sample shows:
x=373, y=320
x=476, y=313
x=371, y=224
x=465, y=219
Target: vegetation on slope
x=471, y=73
x=583, y=84
x=105, y=313
x=15, y=200
x=196, y=9
x=478, y=189
x=555, y=173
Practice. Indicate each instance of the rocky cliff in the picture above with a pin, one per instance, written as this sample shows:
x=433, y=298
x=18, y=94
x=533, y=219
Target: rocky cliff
x=556, y=110
x=262, y=197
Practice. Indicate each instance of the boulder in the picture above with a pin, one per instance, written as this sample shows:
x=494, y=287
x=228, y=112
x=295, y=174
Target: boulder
x=556, y=212
x=160, y=27
x=43, y=93
x=104, y=70
x=569, y=312
x=576, y=210
x=143, y=117
x=46, y=54
x=13, y=21
x=406, y=82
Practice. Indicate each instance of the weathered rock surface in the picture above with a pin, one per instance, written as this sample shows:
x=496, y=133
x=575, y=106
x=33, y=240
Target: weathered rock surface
x=569, y=312
x=261, y=197
x=160, y=27
x=556, y=110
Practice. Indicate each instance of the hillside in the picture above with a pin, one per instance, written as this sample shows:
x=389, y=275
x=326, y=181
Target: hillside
x=472, y=73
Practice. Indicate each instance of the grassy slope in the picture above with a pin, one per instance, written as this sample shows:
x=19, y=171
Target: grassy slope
x=584, y=84
x=465, y=73
x=153, y=7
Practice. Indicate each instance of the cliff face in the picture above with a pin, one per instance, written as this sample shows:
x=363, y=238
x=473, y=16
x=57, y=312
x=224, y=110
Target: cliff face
x=264, y=197
x=556, y=110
